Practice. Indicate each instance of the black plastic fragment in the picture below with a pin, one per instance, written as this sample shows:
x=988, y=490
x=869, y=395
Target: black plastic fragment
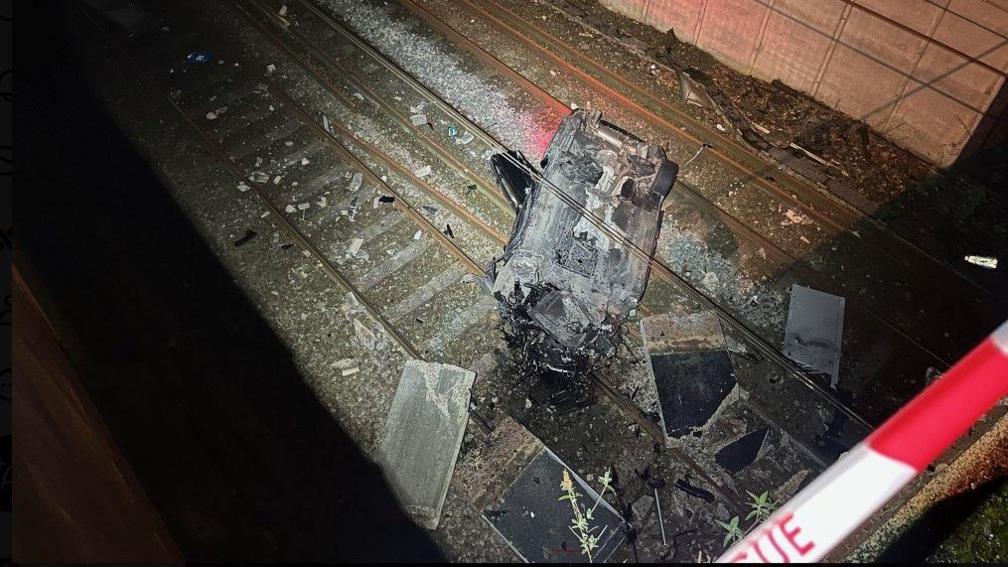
x=512, y=175
x=249, y=235
x=694, y=491
x=740, y=453
x=691, y=387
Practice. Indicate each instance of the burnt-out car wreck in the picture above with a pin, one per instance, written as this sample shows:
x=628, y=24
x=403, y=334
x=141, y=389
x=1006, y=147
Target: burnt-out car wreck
x=580, y=251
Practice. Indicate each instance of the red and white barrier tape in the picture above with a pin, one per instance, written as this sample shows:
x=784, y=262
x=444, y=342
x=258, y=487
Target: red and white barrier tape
x=820, y=516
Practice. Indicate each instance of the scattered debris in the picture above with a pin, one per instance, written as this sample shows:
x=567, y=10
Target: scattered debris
x=740, y=453
x=423, y=171
x=249, y=235
x=694, y=491
x=199, y=57
x=690, y=367
x=355, y=182
x=931, y=374
x=661, y=521
x=243, y=187
x=693, y=92
x=365, y=335
x=703, y=147
x=322, y=202
x=983, y=261
x=814, y=332
x=355, y=246
x=641, y=507
x=214, y=114
x=423, y=435
x=351, y=211
x=794, y=217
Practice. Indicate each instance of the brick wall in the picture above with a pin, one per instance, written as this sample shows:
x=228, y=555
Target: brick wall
x=925, y=73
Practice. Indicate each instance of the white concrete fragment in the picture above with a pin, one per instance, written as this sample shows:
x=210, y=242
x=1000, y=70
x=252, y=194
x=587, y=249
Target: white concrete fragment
x=983, y=261
x=355, y=182
x=355, y=246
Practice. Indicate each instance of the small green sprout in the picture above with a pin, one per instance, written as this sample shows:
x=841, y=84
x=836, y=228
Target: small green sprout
x=733, y=532
x=762, y=507
x=580, y=526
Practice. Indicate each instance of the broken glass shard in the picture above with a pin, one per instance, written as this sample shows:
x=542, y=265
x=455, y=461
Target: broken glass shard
x=814, y=331
x=692, y=371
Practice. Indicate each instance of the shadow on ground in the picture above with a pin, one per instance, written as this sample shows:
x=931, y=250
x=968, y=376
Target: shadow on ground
x=203, y=399
x=939, y=523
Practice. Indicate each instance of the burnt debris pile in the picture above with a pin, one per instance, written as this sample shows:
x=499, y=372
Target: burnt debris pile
x=580, y=251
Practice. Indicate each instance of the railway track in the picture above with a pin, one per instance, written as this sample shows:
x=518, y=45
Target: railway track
x=661, y=270
x=415, y=288
x=864, y=237
x=341, y=70
x=603, y=386
x=416, y=294
x=735, y=154
x=271, y=117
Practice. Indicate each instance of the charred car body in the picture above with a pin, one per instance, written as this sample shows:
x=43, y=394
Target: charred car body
x=580, y=251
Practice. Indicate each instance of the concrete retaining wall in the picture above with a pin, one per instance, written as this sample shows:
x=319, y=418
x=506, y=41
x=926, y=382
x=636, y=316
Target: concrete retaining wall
x=925, y=73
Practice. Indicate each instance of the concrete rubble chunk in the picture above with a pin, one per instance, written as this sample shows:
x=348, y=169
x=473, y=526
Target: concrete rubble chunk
x=355, y=182
x=423, y=435
x=692, y=371
x=642, y=507
x=814, y=331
